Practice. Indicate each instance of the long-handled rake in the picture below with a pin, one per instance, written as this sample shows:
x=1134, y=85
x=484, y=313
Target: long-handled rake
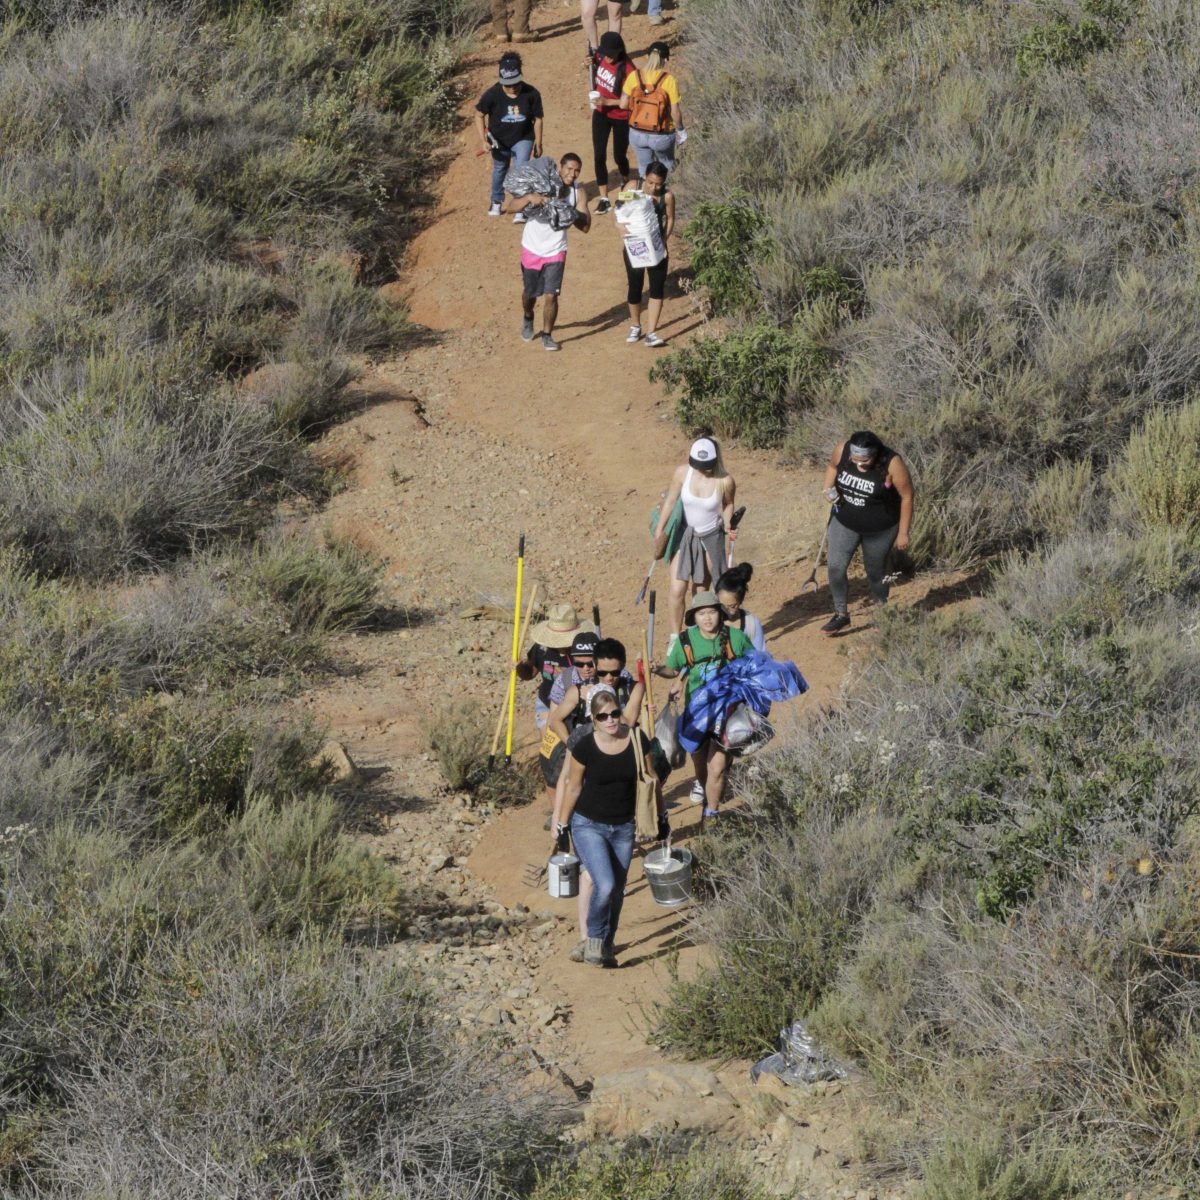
x=811, y=581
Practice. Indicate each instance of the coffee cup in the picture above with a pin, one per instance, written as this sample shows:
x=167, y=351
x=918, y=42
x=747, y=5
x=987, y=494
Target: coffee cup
x=593, y=97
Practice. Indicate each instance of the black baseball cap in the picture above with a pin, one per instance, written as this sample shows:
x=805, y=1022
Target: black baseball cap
x=510, y=68
x=584, y=644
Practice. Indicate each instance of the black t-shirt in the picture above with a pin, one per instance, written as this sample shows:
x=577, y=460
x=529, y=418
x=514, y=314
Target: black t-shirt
x=550, y=663
x=511, y=118
x=867, y=500
x=609, y=780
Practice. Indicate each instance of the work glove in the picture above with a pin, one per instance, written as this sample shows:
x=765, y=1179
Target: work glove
x=562, y=843
x=664, y=828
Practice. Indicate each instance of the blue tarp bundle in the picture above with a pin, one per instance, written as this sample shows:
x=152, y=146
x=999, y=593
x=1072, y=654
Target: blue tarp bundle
x=755, y=678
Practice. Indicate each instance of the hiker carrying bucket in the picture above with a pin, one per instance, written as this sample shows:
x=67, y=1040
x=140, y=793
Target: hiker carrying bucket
x=705, y=646
x=872, y=496
x=706, y=491
x=731, y=592
x=599, y=809
x=582, y=676
x=572, y=710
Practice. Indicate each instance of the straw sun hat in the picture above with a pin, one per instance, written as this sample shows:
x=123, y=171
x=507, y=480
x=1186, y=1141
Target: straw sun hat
x=558, y=630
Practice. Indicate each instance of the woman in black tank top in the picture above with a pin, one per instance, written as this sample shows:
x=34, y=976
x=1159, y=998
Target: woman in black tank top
x=872, y=496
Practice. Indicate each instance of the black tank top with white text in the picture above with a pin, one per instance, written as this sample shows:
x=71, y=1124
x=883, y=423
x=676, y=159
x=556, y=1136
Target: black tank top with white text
x=867, y=501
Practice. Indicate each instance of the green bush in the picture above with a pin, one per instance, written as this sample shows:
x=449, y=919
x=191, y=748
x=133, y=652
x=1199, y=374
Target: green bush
x=742, y=384
x=1062, y=43
x=726, y=239
x=1157, y=479
x=983, y=1168
x=635, y=1172
x=294, y=870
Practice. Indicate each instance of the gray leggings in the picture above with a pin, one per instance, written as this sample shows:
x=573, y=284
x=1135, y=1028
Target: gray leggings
x=839, y=550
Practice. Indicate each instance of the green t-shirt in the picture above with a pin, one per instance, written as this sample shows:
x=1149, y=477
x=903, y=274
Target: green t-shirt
x=706, y=652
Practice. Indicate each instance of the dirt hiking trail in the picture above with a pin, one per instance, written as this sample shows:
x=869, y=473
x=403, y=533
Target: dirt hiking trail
x=466, y=441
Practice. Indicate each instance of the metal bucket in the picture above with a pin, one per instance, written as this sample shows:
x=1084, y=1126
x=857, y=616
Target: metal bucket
x=562, y=876
x=668, y=871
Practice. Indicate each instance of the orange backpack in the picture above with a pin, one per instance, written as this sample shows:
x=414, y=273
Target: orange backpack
x=650, y=108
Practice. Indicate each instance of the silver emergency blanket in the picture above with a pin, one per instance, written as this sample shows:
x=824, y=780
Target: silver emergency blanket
x=799, y=1059
x=539, y=176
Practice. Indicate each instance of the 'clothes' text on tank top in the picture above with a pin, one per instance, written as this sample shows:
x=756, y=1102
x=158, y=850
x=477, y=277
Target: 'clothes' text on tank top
x=867, y=501
x=703, y=513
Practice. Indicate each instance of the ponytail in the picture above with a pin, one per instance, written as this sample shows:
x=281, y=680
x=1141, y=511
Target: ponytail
x=654, y=61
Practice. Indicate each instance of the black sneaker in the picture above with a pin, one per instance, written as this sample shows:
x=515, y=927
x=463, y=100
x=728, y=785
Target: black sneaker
x=604, y=206
x=835, y=624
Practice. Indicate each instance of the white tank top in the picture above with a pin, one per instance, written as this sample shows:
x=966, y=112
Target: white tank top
x=703, y=513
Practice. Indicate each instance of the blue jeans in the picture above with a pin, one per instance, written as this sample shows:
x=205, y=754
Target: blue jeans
x=605, y=851
x=651, y=147
x=518, y=154
x=654, y=8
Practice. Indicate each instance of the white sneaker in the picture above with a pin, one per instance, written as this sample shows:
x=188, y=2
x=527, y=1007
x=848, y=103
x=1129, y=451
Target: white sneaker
x=653, y=341
x=697, y=793
x=494, y=211
x=635, y=333
x=519, y=218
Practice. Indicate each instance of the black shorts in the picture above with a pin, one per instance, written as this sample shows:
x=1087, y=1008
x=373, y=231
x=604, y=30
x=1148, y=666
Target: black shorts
x=546, y=281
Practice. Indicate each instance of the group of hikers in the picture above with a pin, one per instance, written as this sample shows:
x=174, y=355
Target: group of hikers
x=632, y=107
x=592, y=708
x=589, y=704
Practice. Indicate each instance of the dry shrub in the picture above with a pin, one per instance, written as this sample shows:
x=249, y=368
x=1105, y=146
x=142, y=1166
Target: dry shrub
x=459, y=736
x=1157, y=480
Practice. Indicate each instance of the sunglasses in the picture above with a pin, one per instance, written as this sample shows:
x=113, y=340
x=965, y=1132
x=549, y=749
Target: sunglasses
x=584, y=662
x=610, y=674
x=611, y=715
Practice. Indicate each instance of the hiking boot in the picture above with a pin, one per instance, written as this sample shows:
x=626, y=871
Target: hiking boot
x=605, y=206
x=610, y=954
x=697, y=793
x=635, y=334
x=835, y=624
x=653, y=341
x=494, y=211
x=577, y=950
x=548, y=343
x=527, y=329
x=593, y=952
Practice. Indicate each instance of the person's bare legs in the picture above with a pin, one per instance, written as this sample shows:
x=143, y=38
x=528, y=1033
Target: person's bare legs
x=714, y=783
x=635, y=314
x=653, y=312
x=614, y=17
x=549, y=314
x=676, y=598
x=700, y=766
x=587, y=14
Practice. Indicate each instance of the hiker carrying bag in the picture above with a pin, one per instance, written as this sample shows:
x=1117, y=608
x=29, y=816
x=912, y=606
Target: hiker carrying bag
x=650, y=108
x=647, y=793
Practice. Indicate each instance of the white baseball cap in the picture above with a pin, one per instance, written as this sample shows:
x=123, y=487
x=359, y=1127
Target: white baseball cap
x=703, y=452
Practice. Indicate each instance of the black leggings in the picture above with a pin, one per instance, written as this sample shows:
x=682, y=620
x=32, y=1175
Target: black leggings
x=636, y=277
x=601, y=127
